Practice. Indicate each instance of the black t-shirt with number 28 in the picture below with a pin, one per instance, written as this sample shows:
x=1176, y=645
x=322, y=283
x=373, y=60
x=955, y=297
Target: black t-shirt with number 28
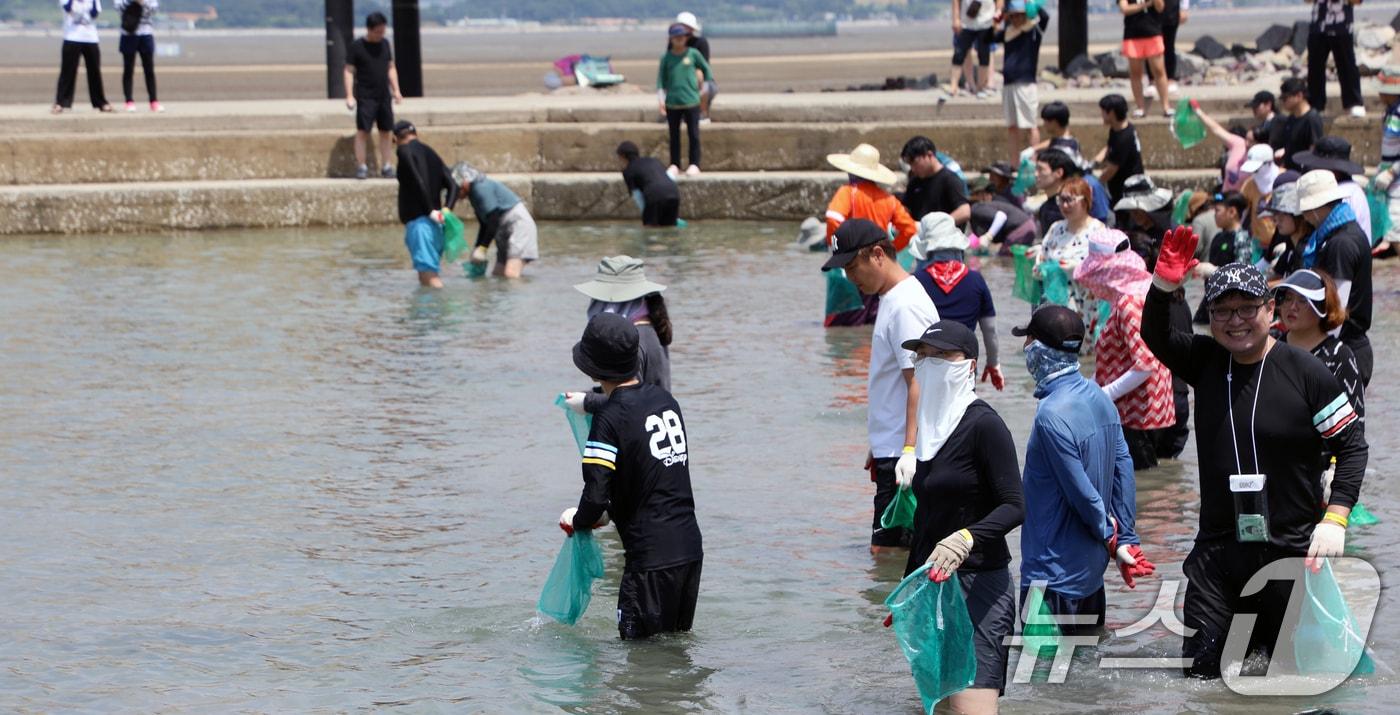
x=637, y=468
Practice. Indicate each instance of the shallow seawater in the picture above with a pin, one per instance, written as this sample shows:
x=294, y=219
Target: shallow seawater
x=263, y=470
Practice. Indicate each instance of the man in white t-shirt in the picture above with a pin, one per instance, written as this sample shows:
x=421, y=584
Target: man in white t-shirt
x=867, y=253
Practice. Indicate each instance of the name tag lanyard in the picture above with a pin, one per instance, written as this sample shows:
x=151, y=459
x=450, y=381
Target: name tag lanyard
x=1230, y=404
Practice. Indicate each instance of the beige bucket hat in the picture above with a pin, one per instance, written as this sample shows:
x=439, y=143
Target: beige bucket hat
x=863, y=161
x=619, y=279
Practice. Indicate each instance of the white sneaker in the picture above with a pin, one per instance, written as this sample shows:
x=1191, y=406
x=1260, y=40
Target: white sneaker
x=672, y=171
x=1150, y=91
x=692, y=170
x=1358, y=111
x=1173, y=90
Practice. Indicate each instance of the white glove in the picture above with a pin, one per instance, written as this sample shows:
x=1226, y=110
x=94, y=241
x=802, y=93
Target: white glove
x=1328, y=540
x=949, y=554
x=437, y=217
x=575, y=401
x=1125, y=557
x=1205, y=269
x=904, y=470
x=566, y=520
x=603, y=521
x=1383, y=180
x=479, y=254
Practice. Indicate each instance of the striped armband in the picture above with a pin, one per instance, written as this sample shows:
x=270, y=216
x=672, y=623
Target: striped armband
x=601, y=454
x=1334, y=417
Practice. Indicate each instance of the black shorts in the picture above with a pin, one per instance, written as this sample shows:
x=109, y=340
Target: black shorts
x=980, y=40
x=885, y=490
x=663, y=212
x=657, y=601
x=374, y=112
x=1216, y=572
x=991, y=604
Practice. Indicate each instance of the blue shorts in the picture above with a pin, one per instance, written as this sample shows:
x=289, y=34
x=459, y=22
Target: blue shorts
x=423, y=237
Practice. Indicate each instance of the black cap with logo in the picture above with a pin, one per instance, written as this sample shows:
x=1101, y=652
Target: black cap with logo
x=853, y=235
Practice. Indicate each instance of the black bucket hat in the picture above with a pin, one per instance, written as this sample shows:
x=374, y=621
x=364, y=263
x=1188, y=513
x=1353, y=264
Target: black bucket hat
x=1331, y=153
x=608, y=349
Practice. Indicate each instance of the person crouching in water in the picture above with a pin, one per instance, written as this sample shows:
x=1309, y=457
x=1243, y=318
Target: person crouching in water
x=1081, y=498
x=502, y=218
x=621, y=287
x=958, y=292
x=651, y=188
x=636, y=470
x=968, y=488
x=1139, y=385
x=423, y=181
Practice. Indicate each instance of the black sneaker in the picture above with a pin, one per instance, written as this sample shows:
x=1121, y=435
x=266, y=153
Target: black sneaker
x=362, y=172
x=387, y=172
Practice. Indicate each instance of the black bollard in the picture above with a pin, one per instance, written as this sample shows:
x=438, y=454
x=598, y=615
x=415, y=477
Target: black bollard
x=1074, y=31
x=340, y=32
x=408, y=51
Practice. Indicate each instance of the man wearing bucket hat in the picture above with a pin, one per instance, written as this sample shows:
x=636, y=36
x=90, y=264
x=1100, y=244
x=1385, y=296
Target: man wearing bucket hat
x=865, y=251
x=620, y=286
x=1333, y=154
x=1260, y=469
x=1339, y=247
x=425, y=183
x=959, y=293
x=1149, y=212
x=708, y=88
x=1081, y=500
x=636, y=470
x=1387, y=86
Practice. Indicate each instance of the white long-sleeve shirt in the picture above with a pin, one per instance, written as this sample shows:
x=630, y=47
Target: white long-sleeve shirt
x=79, y=20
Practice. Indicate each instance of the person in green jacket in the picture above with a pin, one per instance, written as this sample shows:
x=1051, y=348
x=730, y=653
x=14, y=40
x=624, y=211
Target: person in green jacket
x=678, y=94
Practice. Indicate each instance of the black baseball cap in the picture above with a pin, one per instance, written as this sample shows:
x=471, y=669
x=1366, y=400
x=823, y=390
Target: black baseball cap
x=608, y=349
x=402, y=127
x=946, y=335
x=853, y=235
x=1003, y=169
x=1236, y=278
x=1260, y=98
x=1056, y=326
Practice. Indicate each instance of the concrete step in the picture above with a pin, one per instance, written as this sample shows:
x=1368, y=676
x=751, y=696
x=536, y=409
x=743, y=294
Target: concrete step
x=117, y=157
x=182, y=205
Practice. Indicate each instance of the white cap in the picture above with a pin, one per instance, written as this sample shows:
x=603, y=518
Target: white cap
x=688, y=19
x=1258, y=156
x=1317, y=189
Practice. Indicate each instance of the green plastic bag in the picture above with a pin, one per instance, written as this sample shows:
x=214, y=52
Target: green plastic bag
x=1361, y=516
x=1188, y=128
x=1025, y=177
x=474, y=270
x=1104, y=312
x=1182, y=207
x=1054, y=283
x=841, y=294
x=1027, y=288
x=453, y=240
x=580, y=424
x=900, y=512
x=569, y=587
x=1379, y=203
x=1327, y=639
x=933, y=628
x=1039, y=633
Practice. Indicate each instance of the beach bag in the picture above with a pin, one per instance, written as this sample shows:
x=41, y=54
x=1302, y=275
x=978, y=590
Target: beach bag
x=581, y=425
x=590, y=71
x=1188, y=128
x=1027, y=288
x=900, y=512
x=1379, y=203
x=1039, y=631
x=1054, y=283
x=930, y=621
x=131, y=17
x=569, y=587
x=453, y=237
x=1327, y=639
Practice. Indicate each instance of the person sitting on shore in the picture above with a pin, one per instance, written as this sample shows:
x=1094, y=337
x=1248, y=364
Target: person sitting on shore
x=502, y=217
x=652, y=189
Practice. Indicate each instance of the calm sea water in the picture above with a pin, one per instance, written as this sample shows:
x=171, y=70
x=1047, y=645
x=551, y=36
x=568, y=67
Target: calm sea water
x=264, y=471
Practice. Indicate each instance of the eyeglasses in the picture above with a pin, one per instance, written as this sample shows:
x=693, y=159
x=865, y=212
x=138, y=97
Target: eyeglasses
x=1243, y=312
x=1065, y=200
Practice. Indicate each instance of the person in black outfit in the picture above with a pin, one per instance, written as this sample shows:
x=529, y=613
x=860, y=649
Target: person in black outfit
x=1172, y=18
x=931, y=185
x=370, y=71
x=968, y=488
x=1330, y=33
x=1121, y=156
x=423, y=181
x=1340, y=248
x=636, y=469
x=1299, y=129
x=138, y=39
x=1262, y=107
x=1277, y=451
x=650, y=186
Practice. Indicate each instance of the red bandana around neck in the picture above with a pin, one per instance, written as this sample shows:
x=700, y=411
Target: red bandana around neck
x=947, y=274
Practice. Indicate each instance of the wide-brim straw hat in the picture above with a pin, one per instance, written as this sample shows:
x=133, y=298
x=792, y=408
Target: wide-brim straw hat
x=619, y=279
x=863, y=161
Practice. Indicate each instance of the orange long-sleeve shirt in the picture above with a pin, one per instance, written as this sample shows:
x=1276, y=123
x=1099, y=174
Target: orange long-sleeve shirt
x=865, y=199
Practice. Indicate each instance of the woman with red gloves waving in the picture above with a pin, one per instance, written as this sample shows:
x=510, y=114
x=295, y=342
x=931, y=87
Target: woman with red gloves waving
x=968, y=487
x=1260, y=470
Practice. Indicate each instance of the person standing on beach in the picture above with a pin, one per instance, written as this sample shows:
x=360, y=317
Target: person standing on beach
x=708, y=88
x=864, y=250
x=1021, y=35
x=370, y=70
x=678, y=94
x=1299, y=129
x=80, y=40
x=1143, y=46
x=1330, y=34
x=139, y=41
x=654, y=192
x=425, y=183
x=973, y=22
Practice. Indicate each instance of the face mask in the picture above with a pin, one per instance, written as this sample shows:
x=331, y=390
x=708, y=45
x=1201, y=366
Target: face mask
x=946, y=388
x=1045, y=362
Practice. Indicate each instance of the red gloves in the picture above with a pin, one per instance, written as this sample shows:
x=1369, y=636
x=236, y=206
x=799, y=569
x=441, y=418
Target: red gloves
x=1195, y=105
x=1134, y=566
x=1178, y=255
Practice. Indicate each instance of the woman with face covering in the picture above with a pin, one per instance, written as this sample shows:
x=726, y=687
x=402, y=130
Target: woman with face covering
x=968, y=487
x=1131, y=376
x=621, y=287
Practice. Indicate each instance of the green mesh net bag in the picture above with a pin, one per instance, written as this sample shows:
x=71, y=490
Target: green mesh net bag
x=453, y=237
x=1040, y=635
x=930, y=621
x=569, y=587
x=1027, y=288
x=579, y=424
x=900, y=512
x=1054, y=283
x=1328, y=639
x=1188, y=128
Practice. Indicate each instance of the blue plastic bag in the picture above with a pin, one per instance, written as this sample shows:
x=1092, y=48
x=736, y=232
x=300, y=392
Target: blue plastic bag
x=1328, y=639
x=580, y=424
x=569, y=587
x=931, y=622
